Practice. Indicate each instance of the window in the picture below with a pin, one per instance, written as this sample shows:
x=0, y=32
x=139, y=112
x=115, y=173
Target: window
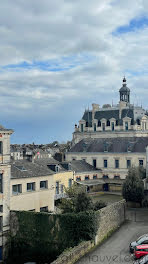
x=30, y=186
x=31, y=210
x=116, y=163
x=44, y=209
x=105, y=176
x=117, y=123
x=126, y=126
x=140, y=162
x=83, y=159
x=94, y=163
x=43, y=184
x=81, y=127
x=1, y=183
x=117, y=177
x=17, y=188
x=1, y=150
x=105, y=163
x=87, y=177
x=128, y=163
x=95, y=127
x=108, y=123
x=78, y=178
x=56, y=168
x=113, y=126
x=1, y=223
x=57, y=187
x=94, y=177
x=1, y=208
x=103, y=126
x=62, y=188
x=99, y=123
x=69, y=182
x=105, y=147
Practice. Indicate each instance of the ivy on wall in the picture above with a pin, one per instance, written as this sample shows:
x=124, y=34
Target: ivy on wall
x=41, y=237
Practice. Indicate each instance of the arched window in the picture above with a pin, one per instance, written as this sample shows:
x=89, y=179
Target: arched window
x=138, y=122
x=132, y=121
x=108, y=123
x=99, y=123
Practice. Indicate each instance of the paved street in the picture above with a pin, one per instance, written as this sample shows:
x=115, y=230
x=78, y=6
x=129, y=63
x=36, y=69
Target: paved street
x=116, y=248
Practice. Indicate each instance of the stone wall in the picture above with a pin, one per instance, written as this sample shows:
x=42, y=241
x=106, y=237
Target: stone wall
x=110, y=218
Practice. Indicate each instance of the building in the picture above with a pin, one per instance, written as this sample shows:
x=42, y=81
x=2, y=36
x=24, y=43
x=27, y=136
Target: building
x=112, y=138
x=5, y=172
x=31, y=187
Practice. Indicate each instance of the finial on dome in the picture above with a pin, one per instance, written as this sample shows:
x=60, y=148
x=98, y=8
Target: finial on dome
x=124, y=80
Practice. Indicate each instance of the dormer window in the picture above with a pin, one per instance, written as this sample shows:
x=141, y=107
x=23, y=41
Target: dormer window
x=108, y=123
x=138, y=122
x=99, y=123
x=57, y=168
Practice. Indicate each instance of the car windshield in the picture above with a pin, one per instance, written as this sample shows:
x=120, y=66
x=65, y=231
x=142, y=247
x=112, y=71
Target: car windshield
x=141, y=237
x=141, y=240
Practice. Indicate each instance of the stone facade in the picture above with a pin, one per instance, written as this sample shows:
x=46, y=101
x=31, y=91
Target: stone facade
x=5, y=172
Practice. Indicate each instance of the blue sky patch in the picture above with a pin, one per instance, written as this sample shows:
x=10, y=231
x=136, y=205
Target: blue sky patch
x=53, y=65
x=135, y=24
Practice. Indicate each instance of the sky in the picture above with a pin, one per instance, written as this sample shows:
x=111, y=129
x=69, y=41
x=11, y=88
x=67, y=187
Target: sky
x=57, y=57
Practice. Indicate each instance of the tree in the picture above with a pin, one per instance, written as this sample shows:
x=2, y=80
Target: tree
x=133, y=187
x=77, y=201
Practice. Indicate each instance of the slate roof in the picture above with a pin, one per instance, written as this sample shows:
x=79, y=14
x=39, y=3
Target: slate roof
x=114, y=145
x=108, y=114
x=27, y=169
x=50, y=163
x=81, y=166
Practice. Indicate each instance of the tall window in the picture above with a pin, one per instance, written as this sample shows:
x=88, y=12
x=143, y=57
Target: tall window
x=140, y=162
x=62, y=188
x=103, y=126
x=57, y=187
x=95, y=127
x=30, y=186
x=69, y=182
x=112, y=126
x=1, y=223
x=94, y=163
x=126, y=126
x=108, y=123
x=87, y=177
x=116, y=163
x=99, y=123
x=128, y=163
x=81, y=127
x=17, y=188
x=1, y=183
x=1, y=149
x=43, y=184
x=105, y=163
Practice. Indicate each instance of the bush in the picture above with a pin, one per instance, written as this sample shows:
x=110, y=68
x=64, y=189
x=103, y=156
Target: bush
x=99, y=205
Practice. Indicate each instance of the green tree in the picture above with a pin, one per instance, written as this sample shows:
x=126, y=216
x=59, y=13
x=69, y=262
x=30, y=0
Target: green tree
x=133, y=187
x=77, y=201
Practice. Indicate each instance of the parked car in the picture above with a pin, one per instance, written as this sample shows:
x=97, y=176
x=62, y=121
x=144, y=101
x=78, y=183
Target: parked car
x=140, y=241
x=140, y=251
x=143, y=260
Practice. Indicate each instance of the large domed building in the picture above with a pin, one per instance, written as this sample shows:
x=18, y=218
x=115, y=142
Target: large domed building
x=112, y=138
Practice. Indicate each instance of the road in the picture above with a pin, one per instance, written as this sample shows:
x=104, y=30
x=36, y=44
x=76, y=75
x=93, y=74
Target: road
x=116, y=248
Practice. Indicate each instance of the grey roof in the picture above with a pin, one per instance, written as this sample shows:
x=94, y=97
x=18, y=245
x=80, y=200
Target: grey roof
x=114, y=145
x=27, y=169
x=108, y=114
x=82, y=166
x=50, y=164
x=124, y=88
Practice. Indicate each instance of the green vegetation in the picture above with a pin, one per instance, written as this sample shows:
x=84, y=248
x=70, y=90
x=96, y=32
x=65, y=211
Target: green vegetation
x=133, y=188
x=79, y=201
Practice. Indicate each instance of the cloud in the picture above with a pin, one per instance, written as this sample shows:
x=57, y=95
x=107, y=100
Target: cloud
x=59, y=56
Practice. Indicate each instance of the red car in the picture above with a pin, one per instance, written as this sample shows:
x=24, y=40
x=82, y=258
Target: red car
x=140, y=251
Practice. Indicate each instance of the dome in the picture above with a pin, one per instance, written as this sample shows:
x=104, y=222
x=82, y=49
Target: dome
x=124, y=88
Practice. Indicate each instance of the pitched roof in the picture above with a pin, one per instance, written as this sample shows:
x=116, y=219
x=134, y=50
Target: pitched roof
x=81, y=166
x=113, y=145
x=27, y=169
